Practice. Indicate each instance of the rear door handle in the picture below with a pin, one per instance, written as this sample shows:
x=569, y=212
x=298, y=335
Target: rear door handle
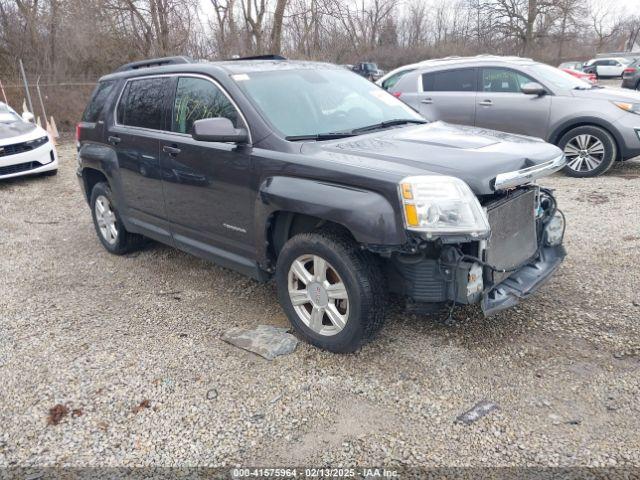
x=486, y=103
x=173, y=151
x=113, y=140
x=427, y=101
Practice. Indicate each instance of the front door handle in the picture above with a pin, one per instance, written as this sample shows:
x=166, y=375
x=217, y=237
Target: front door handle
x=113, y=140
x=486, y=103
x=427, y=101
x=173, y=151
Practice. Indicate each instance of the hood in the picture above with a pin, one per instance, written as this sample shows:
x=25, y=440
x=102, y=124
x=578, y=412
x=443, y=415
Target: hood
x=15, y=129
x=472, y=154
x=612, y=94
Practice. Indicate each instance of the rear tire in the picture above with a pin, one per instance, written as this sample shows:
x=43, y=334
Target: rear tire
x=109, y=227
x=590, y=151
x=349, y=287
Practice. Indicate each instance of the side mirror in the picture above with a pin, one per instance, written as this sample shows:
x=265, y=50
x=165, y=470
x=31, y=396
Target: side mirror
x=28, y=116
x=533, y=88
x=218, y=129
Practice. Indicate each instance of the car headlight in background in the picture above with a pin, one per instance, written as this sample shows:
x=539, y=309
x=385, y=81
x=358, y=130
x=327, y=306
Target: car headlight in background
x=38, y=142
x=438, y=205
x=628, y=107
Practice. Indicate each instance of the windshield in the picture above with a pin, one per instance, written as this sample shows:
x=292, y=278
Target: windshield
x=313, y=102
x=7, y=115
x=557, y=78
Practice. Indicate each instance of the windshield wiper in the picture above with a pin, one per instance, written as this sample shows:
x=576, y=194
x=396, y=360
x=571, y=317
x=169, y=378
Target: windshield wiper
x=387, y=123
x=319, y=136
x=580, y=87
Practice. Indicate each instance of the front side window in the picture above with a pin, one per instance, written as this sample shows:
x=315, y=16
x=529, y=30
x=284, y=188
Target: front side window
x=301, y=102
x=198, y=98
x=460, y=80
x=143, y=103
x=503, y=80
x=98, y=99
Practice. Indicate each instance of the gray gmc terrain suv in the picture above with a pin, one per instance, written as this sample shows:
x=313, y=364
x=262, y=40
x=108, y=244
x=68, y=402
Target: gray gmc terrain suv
x=593, y=125
x=311, y=174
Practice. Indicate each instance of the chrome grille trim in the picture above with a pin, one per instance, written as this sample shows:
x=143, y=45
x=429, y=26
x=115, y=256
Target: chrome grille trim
x=527, y=175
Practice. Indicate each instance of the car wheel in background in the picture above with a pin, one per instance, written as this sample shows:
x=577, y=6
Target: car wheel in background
x=332, y=291
x=111, y=232
x=590, y=151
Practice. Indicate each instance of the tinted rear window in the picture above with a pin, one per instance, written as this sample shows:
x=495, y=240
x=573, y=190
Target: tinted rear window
x=98, y=99
x=462, y=80
x=143, y=103
x=393, y=79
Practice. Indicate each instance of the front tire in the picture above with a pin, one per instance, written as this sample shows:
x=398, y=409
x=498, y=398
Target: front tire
x=590, y=151
x=332, y=291
x=50, y=173
x=109, y=227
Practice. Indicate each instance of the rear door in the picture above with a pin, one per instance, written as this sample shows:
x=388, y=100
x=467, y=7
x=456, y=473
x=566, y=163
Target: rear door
x=617, y=68
x=448, y=95
x=207, y=185
x=605, y=68
x=140, y=116
x=503, y=106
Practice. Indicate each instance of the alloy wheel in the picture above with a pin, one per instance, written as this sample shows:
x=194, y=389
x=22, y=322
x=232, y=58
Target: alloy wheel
x=318, y=295
x=584, y=153
x=106, y=219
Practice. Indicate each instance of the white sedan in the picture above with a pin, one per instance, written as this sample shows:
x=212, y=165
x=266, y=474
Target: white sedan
x=25, y=148
x=607, y=67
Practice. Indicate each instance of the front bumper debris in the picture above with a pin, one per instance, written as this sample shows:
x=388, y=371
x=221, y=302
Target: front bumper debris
x=523, y=282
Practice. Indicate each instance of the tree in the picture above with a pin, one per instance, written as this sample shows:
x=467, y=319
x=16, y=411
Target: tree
x=522, y=20
x=276, y=29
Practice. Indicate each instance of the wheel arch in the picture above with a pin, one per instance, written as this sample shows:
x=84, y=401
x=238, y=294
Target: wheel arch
x=90, y=177
x=288, y=205
x=565, y=127
x=284, y=224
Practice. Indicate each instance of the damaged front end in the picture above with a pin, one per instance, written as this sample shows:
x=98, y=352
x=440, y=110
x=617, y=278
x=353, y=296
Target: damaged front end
x=520, y=251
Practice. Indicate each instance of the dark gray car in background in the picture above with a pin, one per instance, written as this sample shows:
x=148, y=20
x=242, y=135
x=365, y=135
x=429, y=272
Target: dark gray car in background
x=593, y=125
x=631, y=76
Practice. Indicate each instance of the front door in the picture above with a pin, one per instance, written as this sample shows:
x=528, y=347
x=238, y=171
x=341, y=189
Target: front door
x=501, y=105
x=141, y=114
x=207, y=185
x=449, y=96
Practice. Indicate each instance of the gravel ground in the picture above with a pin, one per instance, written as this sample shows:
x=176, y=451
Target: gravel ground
x=131, y=347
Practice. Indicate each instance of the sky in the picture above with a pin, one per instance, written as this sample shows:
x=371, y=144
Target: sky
x=628, y=6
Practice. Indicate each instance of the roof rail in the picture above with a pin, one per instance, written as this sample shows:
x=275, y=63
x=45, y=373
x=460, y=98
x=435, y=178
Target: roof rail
x=262, y=57
x=154, y=62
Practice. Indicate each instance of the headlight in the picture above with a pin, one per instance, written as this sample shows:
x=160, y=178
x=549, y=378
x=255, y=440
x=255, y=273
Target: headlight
x=628, y=107
x=38, y=142
x=440, y=205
